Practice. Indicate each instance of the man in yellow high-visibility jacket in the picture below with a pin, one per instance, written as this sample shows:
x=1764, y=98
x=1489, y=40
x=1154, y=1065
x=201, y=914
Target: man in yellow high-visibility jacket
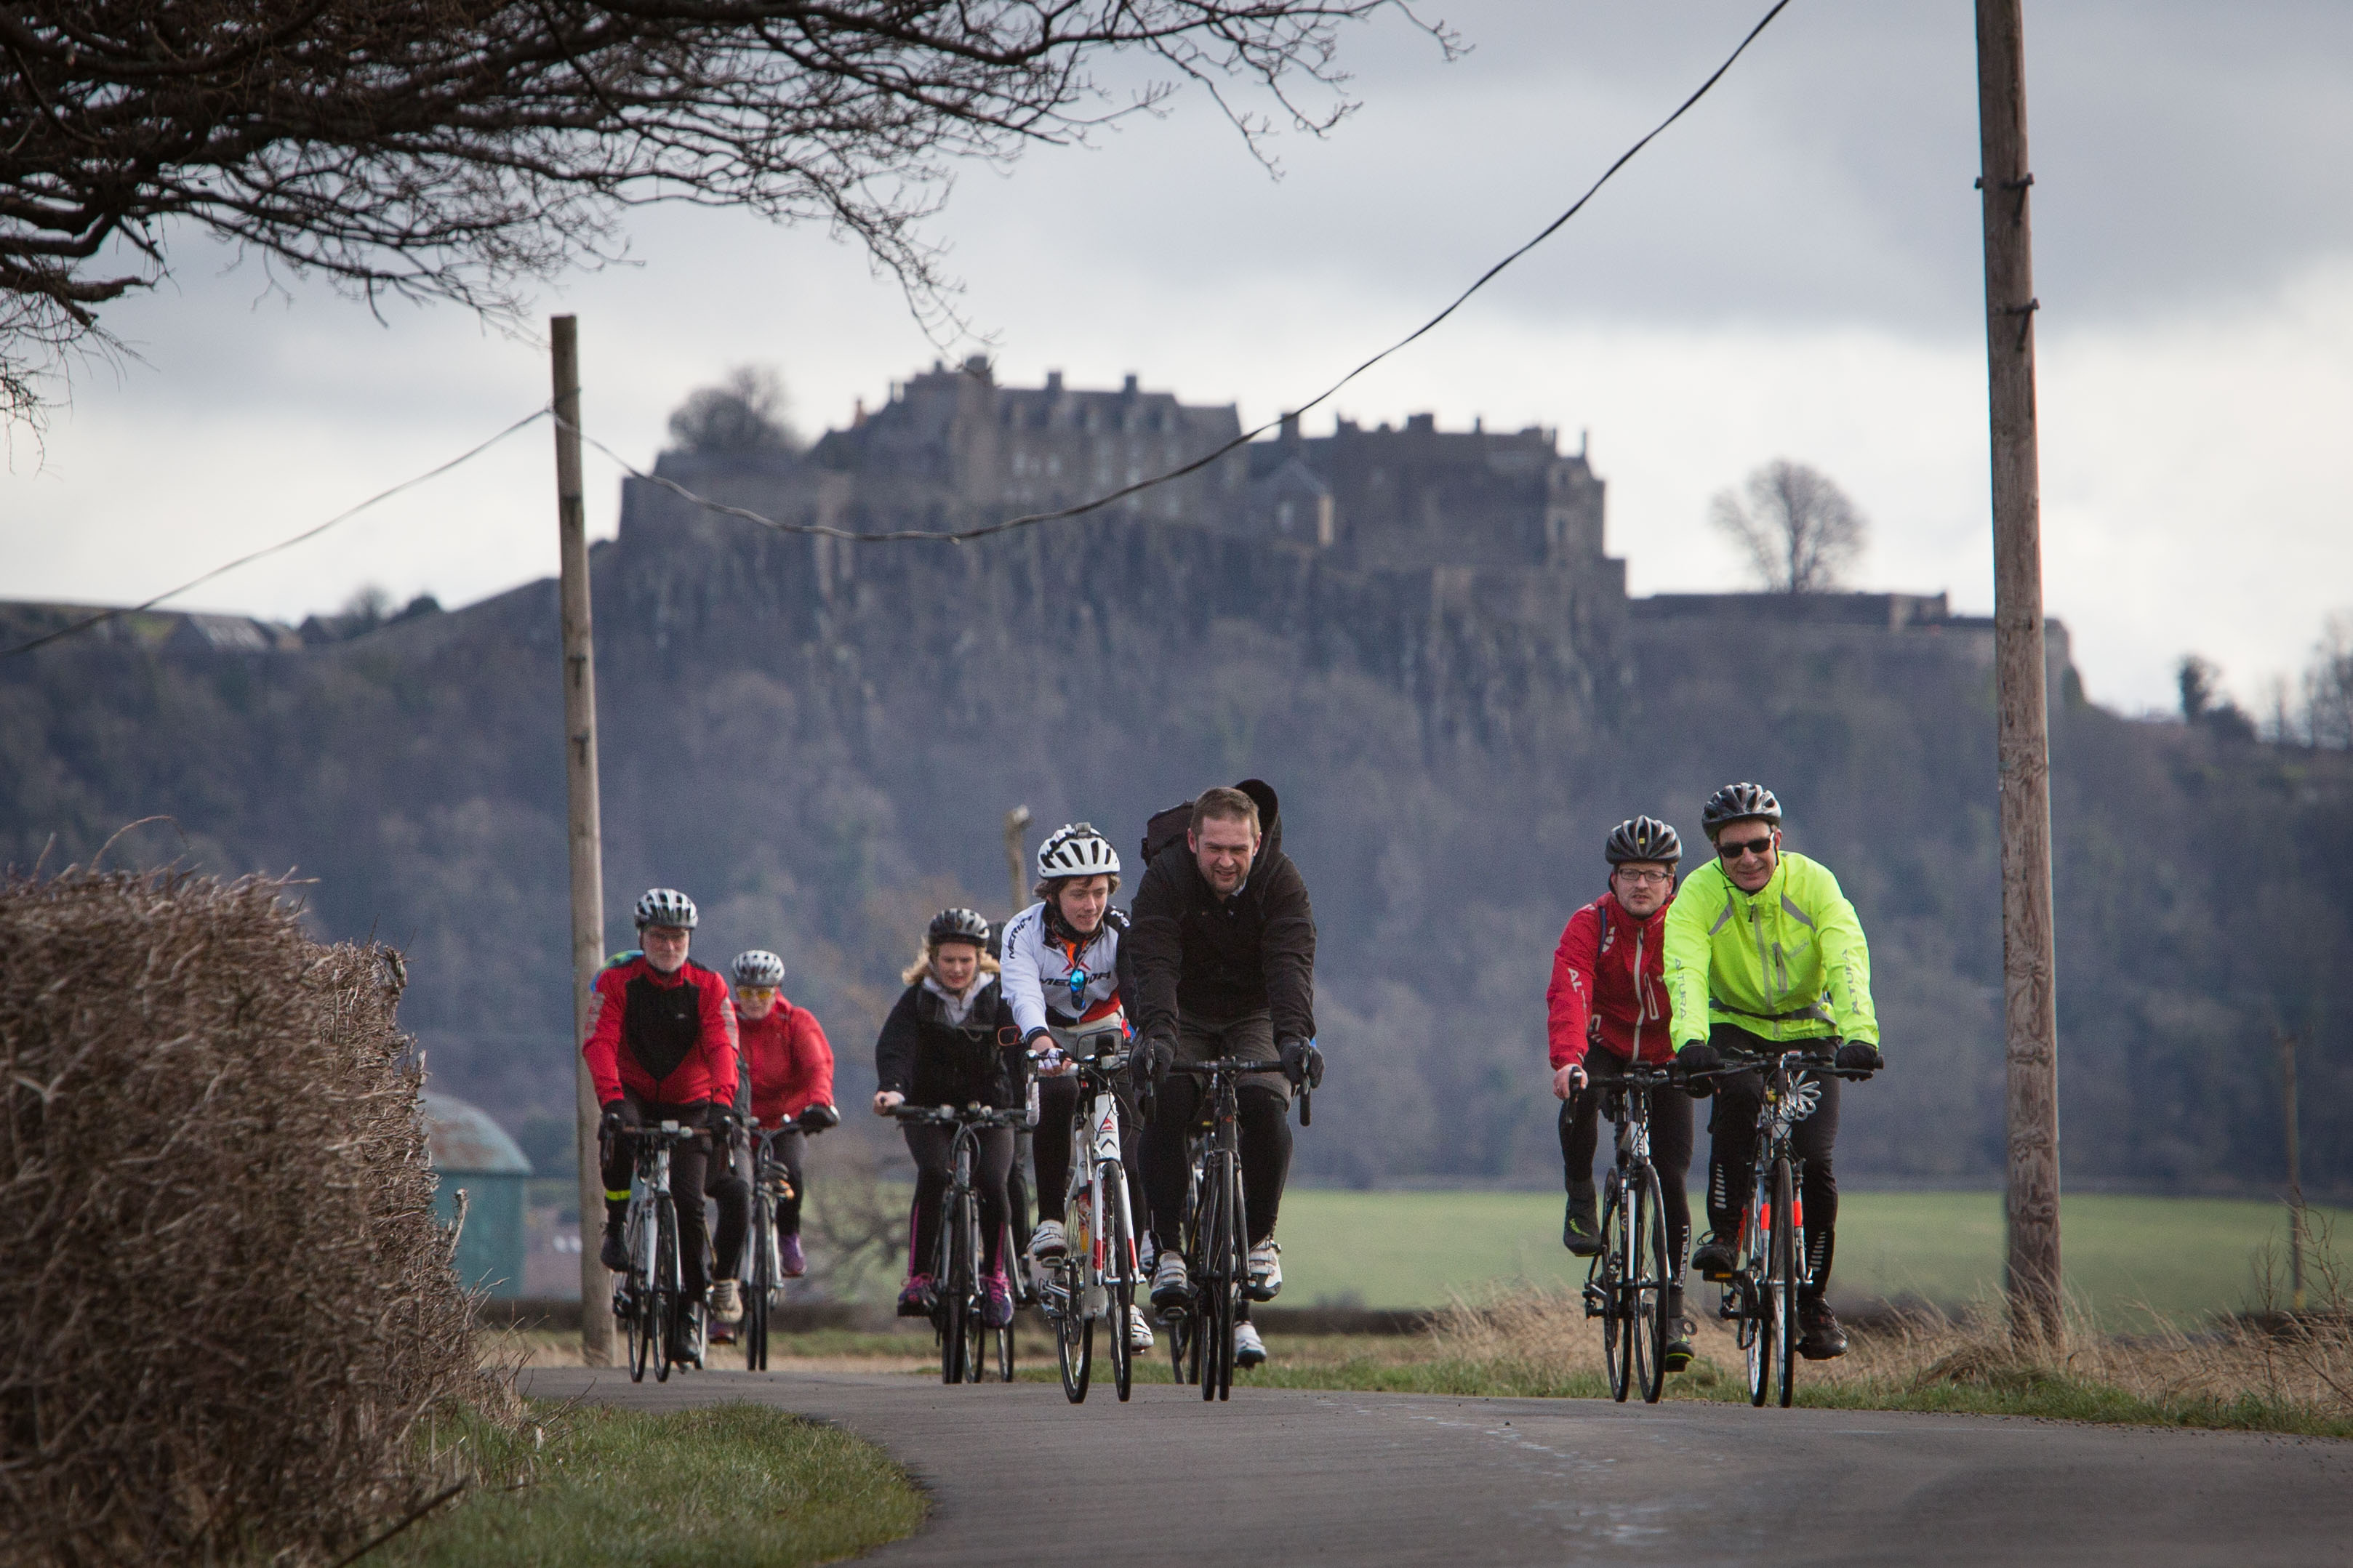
x=1763, y=951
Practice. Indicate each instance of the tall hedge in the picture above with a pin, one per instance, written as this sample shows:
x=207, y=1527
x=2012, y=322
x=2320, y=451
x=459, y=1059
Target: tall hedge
x=228, y=1305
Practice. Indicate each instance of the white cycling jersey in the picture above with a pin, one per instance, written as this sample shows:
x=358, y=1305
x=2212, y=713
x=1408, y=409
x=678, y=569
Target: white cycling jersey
x=1039, y=969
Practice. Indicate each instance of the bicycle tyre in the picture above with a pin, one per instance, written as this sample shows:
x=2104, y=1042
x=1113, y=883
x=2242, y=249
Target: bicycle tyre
x=1210, y=1286
x=1647, y=1287
x=975, y=1312
x=634, y=1316
x=1237, y=1276
x=755, y=1286
x=1074, y=1336
x=1615, y=1262
x=954, y=1288
x=1119, y=1279
x=1785, y=1280
x=666, y=1287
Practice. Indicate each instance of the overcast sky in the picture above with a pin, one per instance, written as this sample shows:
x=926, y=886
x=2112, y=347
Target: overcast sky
x=1791, y=271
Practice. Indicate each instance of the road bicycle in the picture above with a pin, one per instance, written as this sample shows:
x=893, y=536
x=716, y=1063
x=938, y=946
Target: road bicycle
x=763, y=1279
x=959, y=1293
x=1627, y=1285
x=650, y=1300
x=1094, y=1280
x=1774, y=1263
x=1215, y=1238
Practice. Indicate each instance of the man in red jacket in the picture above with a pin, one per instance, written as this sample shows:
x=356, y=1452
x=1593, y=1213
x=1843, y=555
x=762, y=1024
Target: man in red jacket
x=788, y=1071
x=662, y=1048
x=1608, y=991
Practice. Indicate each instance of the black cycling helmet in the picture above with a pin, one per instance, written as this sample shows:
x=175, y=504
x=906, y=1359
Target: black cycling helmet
x=957, y=925
x=1643, y=838
x=1738, y=803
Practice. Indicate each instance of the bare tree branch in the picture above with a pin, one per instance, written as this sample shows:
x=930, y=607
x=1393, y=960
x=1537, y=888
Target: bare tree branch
x=460, y=149
x=1800, y=531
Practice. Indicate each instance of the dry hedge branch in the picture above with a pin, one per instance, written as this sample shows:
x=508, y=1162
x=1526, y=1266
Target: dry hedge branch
x=230, y=1306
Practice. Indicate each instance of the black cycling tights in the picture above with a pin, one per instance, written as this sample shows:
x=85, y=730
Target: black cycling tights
x=1263, y=1115
x=933, y=1148
x=1050, y=1145
x=691, y=1172
x=1671, y=1144
x=1732, y=1155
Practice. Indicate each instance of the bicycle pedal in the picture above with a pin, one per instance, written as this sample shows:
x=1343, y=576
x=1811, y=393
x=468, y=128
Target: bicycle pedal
x=1595, y=1304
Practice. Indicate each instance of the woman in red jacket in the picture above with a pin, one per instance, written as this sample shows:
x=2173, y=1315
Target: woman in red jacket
x=1608, y=991
x=788, y=1066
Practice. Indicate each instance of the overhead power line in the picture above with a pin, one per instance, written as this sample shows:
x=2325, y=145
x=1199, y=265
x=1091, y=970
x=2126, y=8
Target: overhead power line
x=984, y=530
x=314, y=532
x=1032, y=519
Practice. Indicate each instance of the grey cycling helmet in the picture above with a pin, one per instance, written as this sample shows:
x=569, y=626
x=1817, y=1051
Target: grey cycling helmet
x=1738, y=803
x=666, y=907
x=957, y=925
x=1643, y=838
x=759, y=967
x=1077, y=850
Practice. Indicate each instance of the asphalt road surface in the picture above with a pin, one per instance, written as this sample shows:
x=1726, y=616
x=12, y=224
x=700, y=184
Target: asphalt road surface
x=1018, y=1474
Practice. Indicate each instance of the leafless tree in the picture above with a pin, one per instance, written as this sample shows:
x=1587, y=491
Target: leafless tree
x=457, y=149
x=745, y=414
x=2328, y=686
x=1799, y=528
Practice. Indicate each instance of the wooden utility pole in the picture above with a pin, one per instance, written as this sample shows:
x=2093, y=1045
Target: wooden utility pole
x=1017, y=824
x=2021, y=683
x=2294, y=1177
x=584, y=827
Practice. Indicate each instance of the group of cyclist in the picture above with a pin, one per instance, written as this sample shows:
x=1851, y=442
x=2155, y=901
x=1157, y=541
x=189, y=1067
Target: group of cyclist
x=1755, y=951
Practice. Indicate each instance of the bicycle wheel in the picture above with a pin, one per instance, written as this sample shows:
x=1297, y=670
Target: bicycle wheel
x=631, y=1300
x=1233, y=1278
x=1614, y=1265
x=954, y=1282
x=663, y=1324
x=757, y=1283
x=1074, y=1333
x=1647, y=1286
x=1119, y=1279
x=1785, y=1281
x=976, y=1316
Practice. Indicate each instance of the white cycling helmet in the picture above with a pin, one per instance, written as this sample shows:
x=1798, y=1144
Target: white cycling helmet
x=759, y=967
x=1077, y=850
x=666, y=907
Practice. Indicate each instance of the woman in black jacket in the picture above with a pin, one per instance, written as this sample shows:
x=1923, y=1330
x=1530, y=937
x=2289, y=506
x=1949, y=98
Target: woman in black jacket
x=951, y=1041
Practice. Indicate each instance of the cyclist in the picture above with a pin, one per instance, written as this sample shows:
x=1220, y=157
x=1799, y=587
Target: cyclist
x=1606, y=993
x=950, y=1041
x=1062, y=968
x=662, y=1048
x=1224, y=961
x=788, y=1083
x=1762, y=951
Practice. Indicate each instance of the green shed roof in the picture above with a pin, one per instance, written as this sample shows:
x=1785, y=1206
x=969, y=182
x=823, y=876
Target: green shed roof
x=464, y=1138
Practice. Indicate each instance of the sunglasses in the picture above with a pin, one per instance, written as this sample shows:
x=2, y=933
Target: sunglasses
x=754, y=992
x=1758, y=846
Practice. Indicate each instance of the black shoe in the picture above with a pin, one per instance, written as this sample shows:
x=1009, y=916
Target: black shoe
x=615, y=1254
x=1678, y=1353
x=1713, y=1259
x=1581, y=1232
x=1820, y=1338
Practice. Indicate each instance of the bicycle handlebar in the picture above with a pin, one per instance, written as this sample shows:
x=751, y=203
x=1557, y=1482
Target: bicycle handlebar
x=962, y=1115
x=1739, y=1061
x=1238, y=1065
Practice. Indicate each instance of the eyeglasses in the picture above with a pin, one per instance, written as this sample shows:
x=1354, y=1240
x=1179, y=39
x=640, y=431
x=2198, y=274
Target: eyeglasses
x=1646, y=879
x=1757, y=847
x=756, y=993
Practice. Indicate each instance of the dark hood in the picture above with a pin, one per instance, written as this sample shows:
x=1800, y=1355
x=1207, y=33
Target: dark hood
x=1269, y=820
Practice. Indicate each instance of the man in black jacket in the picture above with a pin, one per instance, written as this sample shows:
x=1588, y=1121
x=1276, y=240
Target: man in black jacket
x=1224, y=946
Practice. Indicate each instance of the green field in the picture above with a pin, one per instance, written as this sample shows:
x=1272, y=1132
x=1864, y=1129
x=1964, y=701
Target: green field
x=2179, y=1256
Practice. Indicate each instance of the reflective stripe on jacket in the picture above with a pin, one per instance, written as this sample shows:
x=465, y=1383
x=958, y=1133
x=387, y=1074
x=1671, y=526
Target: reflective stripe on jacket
x=1608, y=967
x=1787, y=963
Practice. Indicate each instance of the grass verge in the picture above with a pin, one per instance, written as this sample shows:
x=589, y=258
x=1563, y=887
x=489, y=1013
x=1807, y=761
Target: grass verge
x=584, y=1485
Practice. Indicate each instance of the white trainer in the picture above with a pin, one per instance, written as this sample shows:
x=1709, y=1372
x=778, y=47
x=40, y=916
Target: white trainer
x=1172, y=1286
x=1250, y=1351
x=1048, y=1241
x=1139, y=1330
x=1265, y=1270
x=726, y=1301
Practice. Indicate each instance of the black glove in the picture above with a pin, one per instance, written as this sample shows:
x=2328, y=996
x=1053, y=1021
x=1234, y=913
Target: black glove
x=620, y=1116
x=1151, y=1061
x=1302, y=1064
x=818, y=1118
x=1860, y=1056
x=1699, y=1057
x=719, y=1121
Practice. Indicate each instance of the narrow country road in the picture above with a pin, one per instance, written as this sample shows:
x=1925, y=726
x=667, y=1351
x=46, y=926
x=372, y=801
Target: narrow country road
x=1016, y=1474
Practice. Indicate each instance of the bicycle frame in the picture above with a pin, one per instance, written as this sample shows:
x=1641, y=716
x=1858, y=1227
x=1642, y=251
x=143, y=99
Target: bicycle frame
x=1775, y=1264
x=1217, y=1249
x=959, y=1293
x=648, y=1299
x=1633, y=1263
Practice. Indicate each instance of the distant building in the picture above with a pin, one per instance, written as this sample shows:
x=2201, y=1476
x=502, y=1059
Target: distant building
x=472, y=1154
